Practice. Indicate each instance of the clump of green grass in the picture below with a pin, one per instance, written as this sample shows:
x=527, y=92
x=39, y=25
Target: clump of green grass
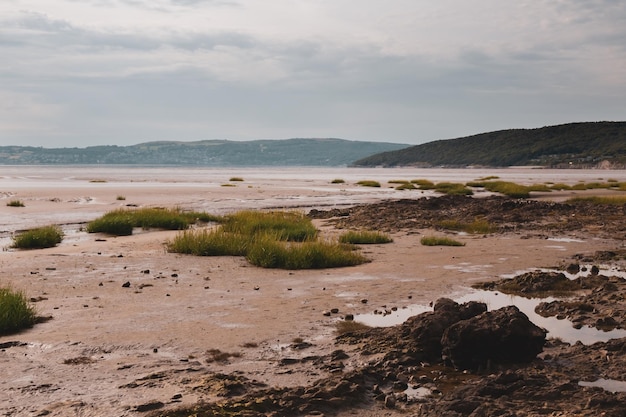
x=285, y=225
x=350, y=326
x=38, y=238
x=406, y=186
x=364, y=238
x=452, y=188
x=286, y=240
x=270, y=253
x=507, y=188
x=236, y=179
x=15, y=312
x=122, y=221
x=611, y=200
x=478, y=226
x=15, y=203
x=440, y=241
x=488, y=178
x=215, y=242
x=369, y=183
x=423, y=184
x=559, y=186
x=337, y=181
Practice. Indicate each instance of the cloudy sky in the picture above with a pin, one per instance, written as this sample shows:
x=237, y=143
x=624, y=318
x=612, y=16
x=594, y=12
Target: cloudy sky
x=121, y=72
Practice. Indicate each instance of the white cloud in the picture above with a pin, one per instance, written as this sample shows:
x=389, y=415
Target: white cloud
x=124, y=71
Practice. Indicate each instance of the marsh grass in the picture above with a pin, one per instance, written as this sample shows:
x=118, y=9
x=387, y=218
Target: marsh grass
x=368, y=183
x=338, y=181
x=16, y=313
x=286, y=240
x=284, y=225
x=617, y=200
x=39, y=238
x=364, y=238
x=269, y=253
x=215, y=242
x=122, y=221
x=440, y=241
x=236, y=179
x=507, y=188
x=452, y=188
x=15, y=203
x=406, y=186
x=423, y=184
x=478, y=226
x=350, y=326
x=120, y=198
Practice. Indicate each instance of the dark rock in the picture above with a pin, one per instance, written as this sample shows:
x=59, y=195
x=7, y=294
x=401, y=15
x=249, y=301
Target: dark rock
x=126, y=284
x=502, y=336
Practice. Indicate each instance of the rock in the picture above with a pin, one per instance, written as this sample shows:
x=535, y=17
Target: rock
x=501, y=336
x=126, y=284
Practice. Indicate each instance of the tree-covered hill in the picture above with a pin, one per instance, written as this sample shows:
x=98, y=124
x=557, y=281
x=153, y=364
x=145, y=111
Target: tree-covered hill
x=217, y=153
x=576, y=144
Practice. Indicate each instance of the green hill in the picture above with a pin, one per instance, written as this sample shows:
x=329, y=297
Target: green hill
x=573, y=144
x=215, y=153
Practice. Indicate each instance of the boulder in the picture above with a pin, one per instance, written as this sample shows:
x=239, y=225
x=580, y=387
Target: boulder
x=495, y=337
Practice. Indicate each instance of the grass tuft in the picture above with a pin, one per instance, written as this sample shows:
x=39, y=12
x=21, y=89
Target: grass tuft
x=39, y=238
x=122, y=221
x=452, y=188
x=338, y=181
x=15, y=203
x=350, y=326
x=440, y=241
x=286, y=240
x=364, y=238
x=478, y=226
x=236, y=179
x=369, y=183
x=423, y=184
x=15, y=312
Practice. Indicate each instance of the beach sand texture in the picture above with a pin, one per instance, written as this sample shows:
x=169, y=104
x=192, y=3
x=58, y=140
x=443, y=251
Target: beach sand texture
x=109, y=348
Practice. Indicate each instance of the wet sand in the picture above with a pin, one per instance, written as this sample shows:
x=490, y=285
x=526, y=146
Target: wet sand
x=109, y=349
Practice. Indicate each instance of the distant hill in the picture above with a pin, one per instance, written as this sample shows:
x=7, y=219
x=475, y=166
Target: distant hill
x=575, y=144
x=215, y=153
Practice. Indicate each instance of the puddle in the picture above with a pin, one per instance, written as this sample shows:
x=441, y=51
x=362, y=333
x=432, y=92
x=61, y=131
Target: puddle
x=610, y=385
x=561, y=329
x=418, y=393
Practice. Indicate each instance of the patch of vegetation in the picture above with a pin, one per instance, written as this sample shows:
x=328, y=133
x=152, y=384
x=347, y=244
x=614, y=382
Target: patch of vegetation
x=406, y=186
x=337, y=181
x=228, y=185
x=478, y=226
x=423, y=184
x=440, y=241
x=286, y=240
x=15, y=312
x=559, y=186
x=364, y=238
x=612, y=199
x=15, y=203
x=270, y=253
x=507, y=188
x=210, y=243
x=452, y=188
x=283, y=225
x=39, y=238
x=369, y=183
x=488, y=178
x=122, y=221
x=98, y=181
x=120, y=198
x=236, y=179
x=350, y=326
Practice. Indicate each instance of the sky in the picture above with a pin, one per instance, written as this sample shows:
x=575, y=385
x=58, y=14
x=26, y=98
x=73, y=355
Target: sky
x=77, y=73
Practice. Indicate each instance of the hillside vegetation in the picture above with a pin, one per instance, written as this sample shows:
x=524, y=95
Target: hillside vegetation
x=574, y=144
x=291, y=152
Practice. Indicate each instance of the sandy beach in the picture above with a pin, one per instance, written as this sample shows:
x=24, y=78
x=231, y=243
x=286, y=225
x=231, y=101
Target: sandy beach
x=115, y=349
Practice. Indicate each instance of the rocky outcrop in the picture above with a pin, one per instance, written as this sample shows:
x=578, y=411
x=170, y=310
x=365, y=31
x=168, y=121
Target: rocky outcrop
x=502, y=336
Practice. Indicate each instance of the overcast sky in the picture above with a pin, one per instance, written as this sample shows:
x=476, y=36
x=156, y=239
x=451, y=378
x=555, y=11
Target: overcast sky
x=121, y=72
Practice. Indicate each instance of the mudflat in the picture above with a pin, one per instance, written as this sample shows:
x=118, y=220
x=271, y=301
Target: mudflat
x=134, y=329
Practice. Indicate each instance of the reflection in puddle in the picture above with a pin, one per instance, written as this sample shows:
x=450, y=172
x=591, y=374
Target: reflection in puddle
x=610, y=385
x=561, y=329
